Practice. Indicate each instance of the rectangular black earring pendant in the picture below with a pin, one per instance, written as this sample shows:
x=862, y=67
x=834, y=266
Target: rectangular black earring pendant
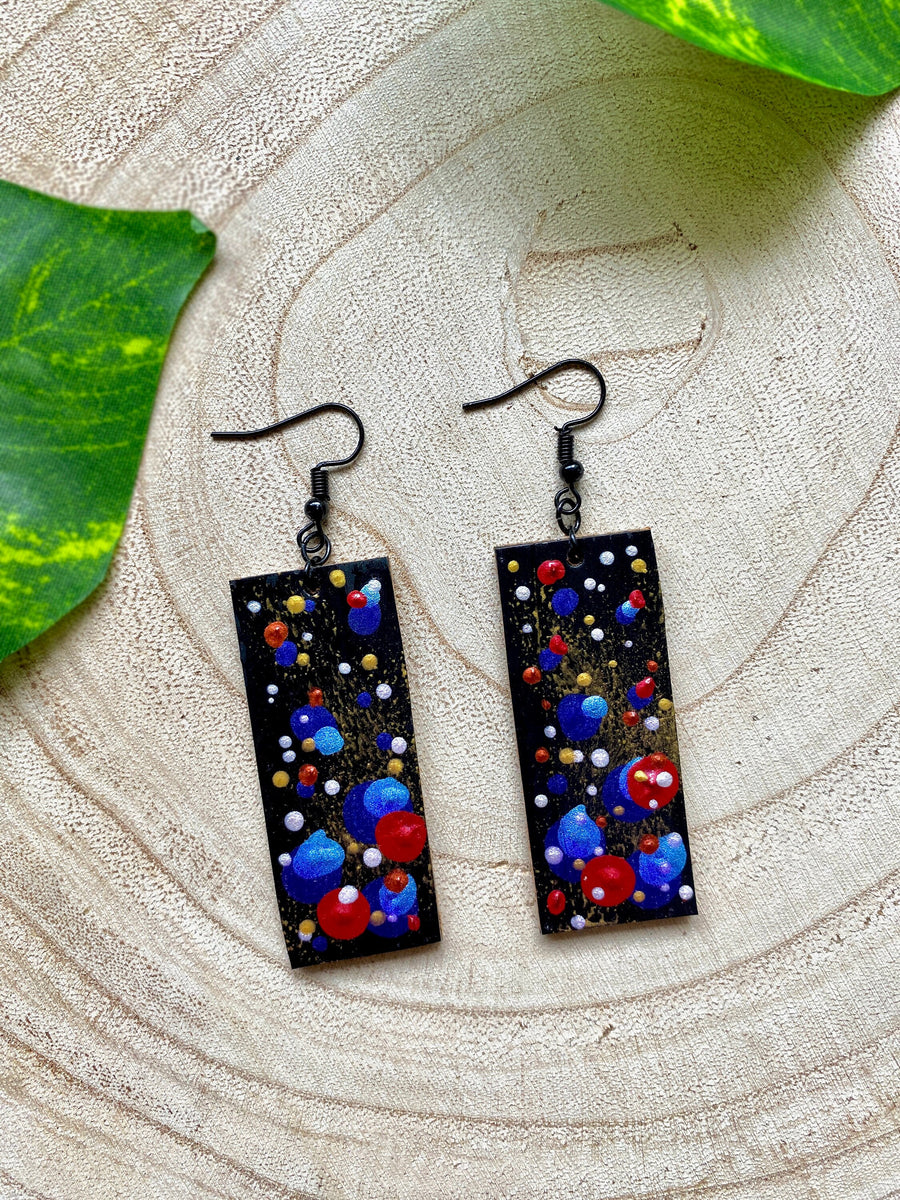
x=335, y=749
x=595, y=725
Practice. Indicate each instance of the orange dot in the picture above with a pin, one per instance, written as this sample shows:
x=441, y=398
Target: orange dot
x=652, y=665
x=600, y=822
x=546, y=705
x=542, y=754
x=531, y=675
x=308, y=774
x=649, y=844
x=315, y=697
x=275, y=633
x=630, y=718
x=396, y=880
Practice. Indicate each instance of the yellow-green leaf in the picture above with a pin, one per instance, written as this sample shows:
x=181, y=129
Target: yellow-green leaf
x=88, y=299
x=849, y=44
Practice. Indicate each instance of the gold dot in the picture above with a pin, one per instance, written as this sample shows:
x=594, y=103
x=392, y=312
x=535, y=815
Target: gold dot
x=612, y=663
x=618, y=810
x=281, y=779
x=567, y=756
x=640, y=897
x=308, y=745
x=338, y=578
x=308, y=926
x=512, y=566
x=354, y=848
x=638, y=564
x=578, y=864
x=369, y=662
x=302, y=660
x=295, y=604
x=377, y=917
x=589, y=620
x=665, y=704
x=641, y=777
x=395, y=766
x=584, y=680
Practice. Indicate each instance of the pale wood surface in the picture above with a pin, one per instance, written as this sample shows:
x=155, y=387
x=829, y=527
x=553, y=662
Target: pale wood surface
x=416, y=203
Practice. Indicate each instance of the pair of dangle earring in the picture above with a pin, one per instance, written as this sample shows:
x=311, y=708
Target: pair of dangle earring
x=589, y=679
x=329, y=705
x=332, y=726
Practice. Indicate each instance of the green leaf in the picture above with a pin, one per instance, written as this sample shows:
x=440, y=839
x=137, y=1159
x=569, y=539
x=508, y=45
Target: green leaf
x=849, y=44
x=88, y=299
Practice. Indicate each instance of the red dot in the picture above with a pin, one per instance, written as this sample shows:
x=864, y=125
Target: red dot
x=636, y=599
x=531, y=675
x=557, y=645
x=556, y=902
x=630, y=718
x=401, y=836
x=357, y=600
x=413, y=922
x=542, y=754
x=396, y=880
x=275, y=633
x=600, y=822
x=546, y=705
x=550, y=571
x=649, y=844
x=645, y=688
x=308, y=774
x=652, y=665
x=315, y=697
x=610, y=874
x=659, y=760
x=343, y=921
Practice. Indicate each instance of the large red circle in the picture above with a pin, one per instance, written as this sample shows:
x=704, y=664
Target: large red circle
x=645, y=790
x=611, y=873
x=401, y=836
x=343, y=921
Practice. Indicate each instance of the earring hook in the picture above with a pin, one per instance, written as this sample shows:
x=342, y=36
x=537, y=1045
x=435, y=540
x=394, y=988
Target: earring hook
x=567, y=499
x=312, y=539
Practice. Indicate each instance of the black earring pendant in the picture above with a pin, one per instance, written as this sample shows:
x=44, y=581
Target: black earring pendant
x=329, y=705
x=585, y=638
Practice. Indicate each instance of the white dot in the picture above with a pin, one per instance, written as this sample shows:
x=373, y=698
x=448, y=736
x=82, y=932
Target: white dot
x=271, y=699
x=601, y=587
x=348, y=895
x=522, y=593
x=289, y=756
x=284, y=859
x=607, y=557
x=663, y=887
x=294, y=820
x=664, y=779
x=284, y=742
x=577, y=756
x=553, y=855
x=398, y=745
x=307, y=637
x=628, y=645
x=686, y=892
x=392, y=917
x=599, y=852
x=383, y=691
x=304, y=719
x=372, y=857
x=674, y=839
x=598, y=893
x=597, y=635
x=654, y=804
x=540, y=800
x=631, y=551
x=332, y=787
x=305, y=937
x=600, y=758
x=254, y=606
x=591, y=789
x=549, y=731
x=578, y=922
x=272, y=689
x=652, y=723
x=527, y=629
x=590, y=584
x=344, y=668
x=374, y=585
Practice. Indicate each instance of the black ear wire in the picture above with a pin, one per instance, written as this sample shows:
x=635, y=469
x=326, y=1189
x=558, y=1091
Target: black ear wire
x=567, y=499
x=312, y=539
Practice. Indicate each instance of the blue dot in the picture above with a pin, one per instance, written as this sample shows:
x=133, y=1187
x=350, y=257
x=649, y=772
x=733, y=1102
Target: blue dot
x=286, y=654
x=319, y=943
x=305, y=791
x=328, y=740
x=557, y=784
x=626, y=613
x=577, y=724
x=595, y=707
x=363, y=699
x=364, y=620
x=310, y=606
x=383, y=741
x=548, y=660
x=565, y=601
